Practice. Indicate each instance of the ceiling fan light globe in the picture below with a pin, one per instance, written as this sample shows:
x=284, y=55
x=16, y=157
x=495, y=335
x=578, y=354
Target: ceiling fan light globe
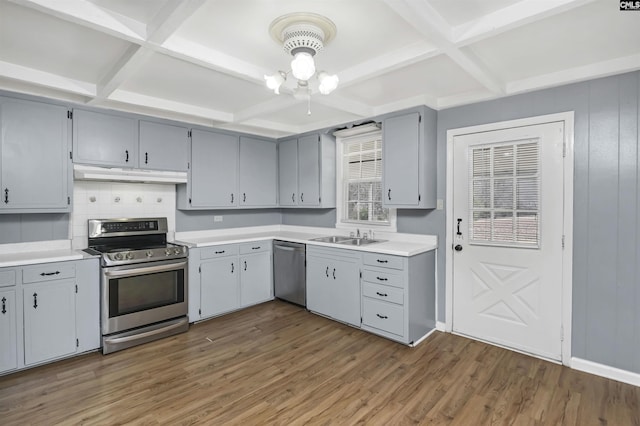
x=274, y=82
x=302, y=66
x=328, y=83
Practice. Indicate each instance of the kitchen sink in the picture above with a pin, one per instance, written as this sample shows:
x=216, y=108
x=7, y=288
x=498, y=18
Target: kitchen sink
x=332, y=239
x=360, y=241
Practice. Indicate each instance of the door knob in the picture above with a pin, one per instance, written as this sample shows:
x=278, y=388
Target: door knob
x=458, y=247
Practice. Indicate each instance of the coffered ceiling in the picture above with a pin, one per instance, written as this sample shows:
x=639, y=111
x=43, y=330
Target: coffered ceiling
x=203, y=61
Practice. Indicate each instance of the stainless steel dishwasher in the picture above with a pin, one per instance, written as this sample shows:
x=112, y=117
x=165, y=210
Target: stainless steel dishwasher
x=289, y=272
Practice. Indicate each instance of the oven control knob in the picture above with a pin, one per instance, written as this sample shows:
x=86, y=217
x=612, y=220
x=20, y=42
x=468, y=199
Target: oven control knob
x=167, y=252
x=129, y=256
x=176, y=250
x=149, y=253
x=118, y=256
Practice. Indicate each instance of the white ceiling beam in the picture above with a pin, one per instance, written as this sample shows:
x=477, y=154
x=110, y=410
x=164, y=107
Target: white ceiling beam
x=270, y=125
x=572, y=75
x=46, y=79
x=88, y=14
x=398, y=58
x=163, y=24
x=340, y=103
x=428, y=21
x=277, y=103
x=167, y=105
x=418, y=100
x=521, y=13
x=465, y=98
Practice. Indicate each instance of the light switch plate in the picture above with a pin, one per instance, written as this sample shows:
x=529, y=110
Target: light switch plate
x=440, y=204
x=217, y=218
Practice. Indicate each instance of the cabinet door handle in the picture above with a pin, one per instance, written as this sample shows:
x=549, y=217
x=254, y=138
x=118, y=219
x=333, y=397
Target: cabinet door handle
x=4, y=305
x=126, y=152
x=302, y=197
x=146, y=158
x=382, y=261
x=389, y=194
x=46, y=274
x=381, y=294
x=220, y=252
x=232, y=198
x=35, y=300
x=382, y=279
x=382, y=316
x=245, y=265
x=6, y=195
x=334, y=273
x=293, y=197
x=327, y=272
x=244, y=197
x=232, y=267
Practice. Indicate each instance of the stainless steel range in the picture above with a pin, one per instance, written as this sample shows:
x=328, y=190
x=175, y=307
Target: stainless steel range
x=144, y=281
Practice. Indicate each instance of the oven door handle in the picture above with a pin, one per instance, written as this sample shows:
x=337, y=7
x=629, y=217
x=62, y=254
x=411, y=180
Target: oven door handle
x=116, y=340
x=144, y=270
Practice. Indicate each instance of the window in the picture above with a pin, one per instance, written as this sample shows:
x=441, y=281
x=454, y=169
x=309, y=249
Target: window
x=505, y=194
x=359, y=181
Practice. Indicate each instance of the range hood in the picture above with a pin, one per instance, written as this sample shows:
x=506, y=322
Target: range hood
x=82, y=172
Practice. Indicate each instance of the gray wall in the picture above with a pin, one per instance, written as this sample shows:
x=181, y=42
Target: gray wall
x=325, y=218
x=22, y=228
x=606, y=222
x=199, y=220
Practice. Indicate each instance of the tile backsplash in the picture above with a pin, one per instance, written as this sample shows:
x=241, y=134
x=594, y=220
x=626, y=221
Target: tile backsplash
x=105, y=200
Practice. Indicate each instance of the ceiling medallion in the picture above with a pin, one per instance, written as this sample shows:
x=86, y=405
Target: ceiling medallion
x=302, y=35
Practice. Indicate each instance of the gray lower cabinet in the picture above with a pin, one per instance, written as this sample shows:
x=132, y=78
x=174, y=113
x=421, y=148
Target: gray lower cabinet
x=47, y=312
x=333, y=283
x=8, y=330
x=257, y=172
x=307, y=172
x=398, y=295
x=409, y=153
x=35, y=144
x=105, y=139
x=163, y=146
x=227, y=277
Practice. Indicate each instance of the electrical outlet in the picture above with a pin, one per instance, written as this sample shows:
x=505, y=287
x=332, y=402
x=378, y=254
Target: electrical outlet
x=217, y=218
x=440, y=204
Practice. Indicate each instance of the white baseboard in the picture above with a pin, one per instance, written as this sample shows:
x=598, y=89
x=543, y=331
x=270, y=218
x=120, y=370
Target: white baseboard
x=440, y=326
x=602, y=370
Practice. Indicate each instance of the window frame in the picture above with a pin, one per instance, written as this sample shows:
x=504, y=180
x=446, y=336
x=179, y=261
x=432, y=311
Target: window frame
x=355, y=136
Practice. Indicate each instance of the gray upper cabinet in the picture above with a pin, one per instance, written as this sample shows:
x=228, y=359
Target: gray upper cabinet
x=163, y=147
x=307, y=172
x=214, y=168
x=35, y=157
x=104, y=139
x=409, y=165
x=257, y=173
x=288, y=172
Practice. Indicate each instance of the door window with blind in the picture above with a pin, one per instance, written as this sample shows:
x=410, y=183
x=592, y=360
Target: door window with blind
x=362, y=180
x=504, y=204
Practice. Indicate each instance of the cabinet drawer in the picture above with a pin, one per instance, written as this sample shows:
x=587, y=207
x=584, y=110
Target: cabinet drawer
x=7, y=278
x=383, y=260
x=382, y=292
x=383, y=316
x=255, y=247
x=385, y=278
x=48, y=272
x=219, y=251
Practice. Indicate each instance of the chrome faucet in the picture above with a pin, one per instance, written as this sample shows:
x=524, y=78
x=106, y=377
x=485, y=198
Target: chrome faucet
x=358, y=233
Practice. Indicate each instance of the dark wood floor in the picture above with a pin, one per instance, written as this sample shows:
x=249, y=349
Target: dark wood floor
x=278, y=364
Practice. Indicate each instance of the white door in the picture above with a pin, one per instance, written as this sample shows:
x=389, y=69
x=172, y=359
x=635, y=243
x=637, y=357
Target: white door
x=507, y=263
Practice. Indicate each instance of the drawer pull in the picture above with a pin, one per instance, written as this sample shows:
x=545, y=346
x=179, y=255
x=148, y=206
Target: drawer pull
x=382, y=279
x=4, y=305
x=382, y=261
x=381, y=294
x=35, y=300
x=46, y=274
x=220, y=252
x=382, y=316
x=255, y=248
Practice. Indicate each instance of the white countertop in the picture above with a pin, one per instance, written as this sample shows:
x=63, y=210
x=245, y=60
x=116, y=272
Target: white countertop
x=395, y=244
x=38, y=252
